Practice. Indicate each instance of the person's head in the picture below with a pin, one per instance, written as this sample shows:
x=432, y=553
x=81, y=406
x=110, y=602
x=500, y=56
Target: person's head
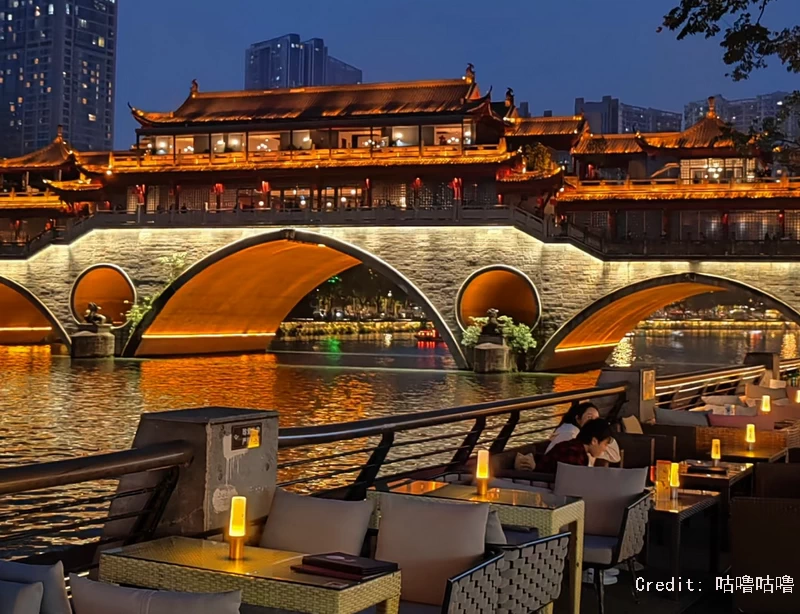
x=595, y=435
x=579, y=414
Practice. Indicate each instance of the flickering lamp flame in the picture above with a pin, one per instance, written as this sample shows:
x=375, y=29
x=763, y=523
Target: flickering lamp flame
x=750, y=434
x=766, y=404
x=674, y=475
x=715, y=450
x=238, y=522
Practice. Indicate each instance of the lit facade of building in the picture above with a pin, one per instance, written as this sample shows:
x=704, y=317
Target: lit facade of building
x=57, y=68
x=287, y=61
x=610, y=116
x=694, y=185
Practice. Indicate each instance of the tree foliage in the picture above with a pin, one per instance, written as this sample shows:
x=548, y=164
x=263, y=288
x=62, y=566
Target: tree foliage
x=748, y=43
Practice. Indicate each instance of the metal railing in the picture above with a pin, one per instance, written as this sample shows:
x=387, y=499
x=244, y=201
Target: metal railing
x=430, y=440
x=57, y=510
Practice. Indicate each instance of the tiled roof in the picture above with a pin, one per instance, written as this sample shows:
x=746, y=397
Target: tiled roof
x=708, y=133
x=603, y=144
x=546, y=126
x=414, y=97
x=53, y=156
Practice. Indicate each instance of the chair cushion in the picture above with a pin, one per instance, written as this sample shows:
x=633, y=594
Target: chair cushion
x=54, y=598
x=431, y=541
x=17, y=598
x=494, y=530
x=598, y=549
x=762, y=422
x=631, y=425
x=723, y=399
x=524, y=462
x=751, y=391
x=90, y=597
x=606, y=492
x=679, y=417
x=517, y=536
x=313, y=525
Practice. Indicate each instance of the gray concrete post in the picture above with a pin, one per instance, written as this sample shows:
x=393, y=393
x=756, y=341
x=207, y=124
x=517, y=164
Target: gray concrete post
x=641, y=399
x=770, y=361
x=235, y=453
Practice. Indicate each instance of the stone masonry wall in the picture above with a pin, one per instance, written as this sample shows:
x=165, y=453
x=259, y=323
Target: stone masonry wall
x=436, y=259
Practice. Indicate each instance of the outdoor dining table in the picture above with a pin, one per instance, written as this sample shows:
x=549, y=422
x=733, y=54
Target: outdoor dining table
x=762, y=454
x=548, y=513
x=264, y=576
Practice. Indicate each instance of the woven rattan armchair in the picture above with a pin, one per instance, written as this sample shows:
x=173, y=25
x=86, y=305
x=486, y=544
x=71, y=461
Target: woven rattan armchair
x=601, y=553
x=533, y=574
x=477, y=590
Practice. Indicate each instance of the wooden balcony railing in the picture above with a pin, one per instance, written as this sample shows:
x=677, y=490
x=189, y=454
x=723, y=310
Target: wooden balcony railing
x=137, y=159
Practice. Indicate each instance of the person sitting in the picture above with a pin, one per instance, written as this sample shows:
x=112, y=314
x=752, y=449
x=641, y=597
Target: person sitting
x=571, y=423
x=592, y=440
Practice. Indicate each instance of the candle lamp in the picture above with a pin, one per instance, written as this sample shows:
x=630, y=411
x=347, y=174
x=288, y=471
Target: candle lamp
x=797, y=396
x=482, y=472
x=750, y=436
x=715, y=452
x=237, y=529
x=766, y=404
x=674, y=480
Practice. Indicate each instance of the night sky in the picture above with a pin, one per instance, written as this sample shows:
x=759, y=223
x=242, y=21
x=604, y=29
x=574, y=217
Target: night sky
x=549, y=52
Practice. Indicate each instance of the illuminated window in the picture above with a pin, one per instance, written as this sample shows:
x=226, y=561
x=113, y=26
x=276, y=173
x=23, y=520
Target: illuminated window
x=92, y=118
x=101, y=42
x=51, y=9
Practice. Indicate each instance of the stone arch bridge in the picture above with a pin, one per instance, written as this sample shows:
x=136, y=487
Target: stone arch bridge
x=242, y=281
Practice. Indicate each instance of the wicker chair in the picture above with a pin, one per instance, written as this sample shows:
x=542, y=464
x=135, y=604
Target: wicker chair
x=601, y=553
x=533, y=574
x=476, y=591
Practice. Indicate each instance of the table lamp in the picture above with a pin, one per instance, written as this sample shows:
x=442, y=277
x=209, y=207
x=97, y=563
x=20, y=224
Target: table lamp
x=797, y=396
x=766, y=404
x=674, y=480
x=750, y=436
x=715, y=452
x=237, y=528
x=482, y=472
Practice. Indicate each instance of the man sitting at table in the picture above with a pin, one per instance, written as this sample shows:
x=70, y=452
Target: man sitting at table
x=592, y=440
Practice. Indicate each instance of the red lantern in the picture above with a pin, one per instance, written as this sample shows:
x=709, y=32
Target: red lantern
x=265, y=187
x=140, y=191
x=218, y=189
x=458, y=188
x=417, y=184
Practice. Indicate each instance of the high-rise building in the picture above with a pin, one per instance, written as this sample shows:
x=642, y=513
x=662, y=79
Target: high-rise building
x=610, y=116
x=342, y=73
x=57, y=68
x=287, y=61
x=745, y=113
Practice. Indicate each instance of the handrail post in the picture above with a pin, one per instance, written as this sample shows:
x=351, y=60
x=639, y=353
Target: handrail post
x=366, y=478
x=468, y=445
x=500, y=442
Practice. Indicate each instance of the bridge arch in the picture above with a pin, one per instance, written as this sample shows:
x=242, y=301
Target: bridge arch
x=234, y=299
x=589, y=338
x=107, y=285
x=501, y=287
x=25, y=319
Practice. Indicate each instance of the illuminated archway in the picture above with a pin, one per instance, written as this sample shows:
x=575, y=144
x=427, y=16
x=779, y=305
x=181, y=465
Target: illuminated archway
x=108, y=286
x=588, y=339
x=236, y=298
x=24, y=319
x=501, y=287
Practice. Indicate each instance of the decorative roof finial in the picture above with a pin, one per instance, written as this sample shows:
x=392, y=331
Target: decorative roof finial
x=195, y=87
x=469, y=77
x=509, y=97
x=712, y=108
x=59, y=133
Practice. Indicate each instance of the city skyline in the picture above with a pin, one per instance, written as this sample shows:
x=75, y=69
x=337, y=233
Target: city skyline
x=636, y=64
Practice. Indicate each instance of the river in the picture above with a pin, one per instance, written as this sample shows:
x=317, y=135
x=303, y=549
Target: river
x=53, y=408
